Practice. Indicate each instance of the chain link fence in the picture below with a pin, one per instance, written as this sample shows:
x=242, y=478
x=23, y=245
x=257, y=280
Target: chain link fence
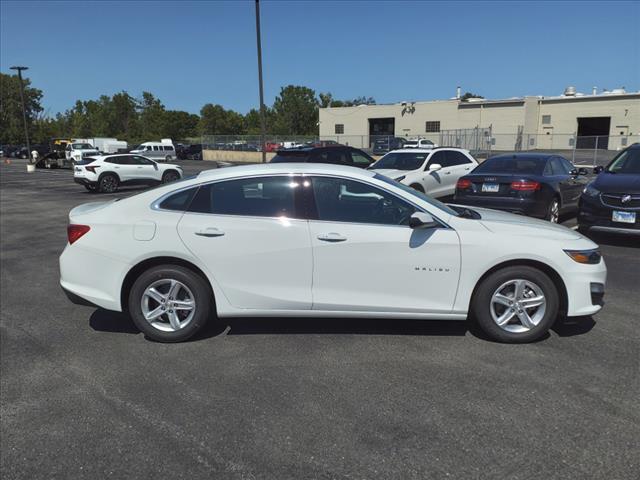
x=481, y=142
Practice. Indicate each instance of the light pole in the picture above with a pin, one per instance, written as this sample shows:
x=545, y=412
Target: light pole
x=262, y=111
x=24, y=110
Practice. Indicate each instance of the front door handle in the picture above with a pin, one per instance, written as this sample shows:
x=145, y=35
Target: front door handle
x=210, y=232
x=331, y=237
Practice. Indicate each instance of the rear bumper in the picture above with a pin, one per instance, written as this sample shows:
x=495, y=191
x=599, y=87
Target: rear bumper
x=524, y=206
x=84, y=181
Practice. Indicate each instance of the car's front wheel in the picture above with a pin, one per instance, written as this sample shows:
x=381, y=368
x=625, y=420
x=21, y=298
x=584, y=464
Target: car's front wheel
x=553, y=211
x=516, y=304
x=170, y=303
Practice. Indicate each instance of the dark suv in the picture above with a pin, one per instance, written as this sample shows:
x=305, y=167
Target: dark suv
x=611, y=203
x=382, y=145
x=337, y=155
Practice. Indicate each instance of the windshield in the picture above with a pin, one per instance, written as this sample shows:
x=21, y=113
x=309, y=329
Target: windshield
x=512, y=165
x=82, y=146
x=400, y=161
x=415, y=193
x=627, y=161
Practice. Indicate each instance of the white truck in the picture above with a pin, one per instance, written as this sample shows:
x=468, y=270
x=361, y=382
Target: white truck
x=108, y=145
x=79, y=149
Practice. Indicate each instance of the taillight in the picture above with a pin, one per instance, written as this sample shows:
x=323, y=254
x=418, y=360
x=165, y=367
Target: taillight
x=525, y=186
x=463, y=184
x=92, y=169
x=74, y=232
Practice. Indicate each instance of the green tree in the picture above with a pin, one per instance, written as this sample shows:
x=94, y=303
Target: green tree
x=215, y=120
x=296, y=111
x=11, y=123
x=179, y=125
x=152, y=113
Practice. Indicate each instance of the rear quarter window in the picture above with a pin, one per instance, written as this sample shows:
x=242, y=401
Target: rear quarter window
x=179, y=201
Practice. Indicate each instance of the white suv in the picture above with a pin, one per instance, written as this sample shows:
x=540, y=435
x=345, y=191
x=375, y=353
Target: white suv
x=434, y=171
x=105, y=173
x=419, y=143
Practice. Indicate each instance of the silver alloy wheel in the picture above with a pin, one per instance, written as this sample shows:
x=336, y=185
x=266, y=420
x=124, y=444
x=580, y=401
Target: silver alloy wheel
x=518, y=305
x=109, y=184
x=554, y=211
x=168, y=305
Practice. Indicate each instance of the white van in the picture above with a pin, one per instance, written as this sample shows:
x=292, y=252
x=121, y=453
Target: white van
x=159, y=151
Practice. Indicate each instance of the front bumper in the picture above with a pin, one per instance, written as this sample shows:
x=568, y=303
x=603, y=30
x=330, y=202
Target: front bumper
x=593, y=215
x=523, y=206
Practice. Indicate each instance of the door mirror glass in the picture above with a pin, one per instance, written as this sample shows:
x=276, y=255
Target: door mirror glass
x=422, y=220
x=598, y=169
x=573, y=172
x=434, y=167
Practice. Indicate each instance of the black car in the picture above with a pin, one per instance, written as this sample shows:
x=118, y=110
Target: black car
x=190, y=152
x=611, y=203
x=337, y=155
x=539, y=185
x=382, y=145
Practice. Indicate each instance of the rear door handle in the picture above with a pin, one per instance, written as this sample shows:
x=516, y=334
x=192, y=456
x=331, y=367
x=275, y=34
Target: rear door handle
x=210, y=232
x=331, y=237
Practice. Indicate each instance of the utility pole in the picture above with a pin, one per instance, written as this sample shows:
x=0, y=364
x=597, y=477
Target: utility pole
x=24, y=110
x=262, y=110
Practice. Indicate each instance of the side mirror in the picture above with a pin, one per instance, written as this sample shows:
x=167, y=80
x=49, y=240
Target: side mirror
x=422, y=220
x=574, y=172
x=583, y=171
x=598, y=169
x=435, y=167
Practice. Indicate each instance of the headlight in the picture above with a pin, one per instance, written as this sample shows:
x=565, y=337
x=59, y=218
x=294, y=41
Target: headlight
x=590, y=257
x=399, y=179
x=591, y=191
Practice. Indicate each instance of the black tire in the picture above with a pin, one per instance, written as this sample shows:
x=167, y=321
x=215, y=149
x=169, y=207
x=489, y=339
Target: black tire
x=198, y=287
x=553, y=210
x=418, y=187
x=167, y=158
x=170, y=176
x=108, y=183
x=481, y=305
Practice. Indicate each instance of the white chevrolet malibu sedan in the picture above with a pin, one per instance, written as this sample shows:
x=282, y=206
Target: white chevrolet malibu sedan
x=313, y=240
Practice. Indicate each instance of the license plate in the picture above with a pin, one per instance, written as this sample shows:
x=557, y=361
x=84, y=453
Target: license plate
x=490, y=187
x=624, y=217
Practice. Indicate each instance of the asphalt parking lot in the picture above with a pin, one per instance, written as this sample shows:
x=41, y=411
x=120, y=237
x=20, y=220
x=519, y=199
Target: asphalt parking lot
x=84, y=395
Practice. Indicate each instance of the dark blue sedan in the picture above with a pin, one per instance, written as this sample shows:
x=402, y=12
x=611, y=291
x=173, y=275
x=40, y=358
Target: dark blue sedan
x=539, y=185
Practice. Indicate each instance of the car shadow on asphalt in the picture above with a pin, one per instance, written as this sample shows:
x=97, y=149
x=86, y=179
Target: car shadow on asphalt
x=114, y=322
x=615, y=240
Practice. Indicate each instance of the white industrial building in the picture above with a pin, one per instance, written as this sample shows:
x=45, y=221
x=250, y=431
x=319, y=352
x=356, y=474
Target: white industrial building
x=606, y=120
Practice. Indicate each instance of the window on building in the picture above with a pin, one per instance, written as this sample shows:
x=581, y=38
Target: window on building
x=546, y=119
x=339, y=130
x=432, y=127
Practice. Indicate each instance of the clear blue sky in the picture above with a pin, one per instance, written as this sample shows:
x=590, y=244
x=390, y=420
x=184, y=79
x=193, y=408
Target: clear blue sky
x=192, y=53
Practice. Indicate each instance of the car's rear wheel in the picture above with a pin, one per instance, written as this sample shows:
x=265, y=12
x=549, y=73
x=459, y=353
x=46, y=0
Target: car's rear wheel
x=167, y=158
x=170, y=303
x=516, y=304
x=553, y=211
x=108, y=183
x=170, y=176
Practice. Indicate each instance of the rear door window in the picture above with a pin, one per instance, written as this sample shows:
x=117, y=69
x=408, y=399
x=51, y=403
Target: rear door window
x=178, y=201
x=254, y=197
x=457, y=158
